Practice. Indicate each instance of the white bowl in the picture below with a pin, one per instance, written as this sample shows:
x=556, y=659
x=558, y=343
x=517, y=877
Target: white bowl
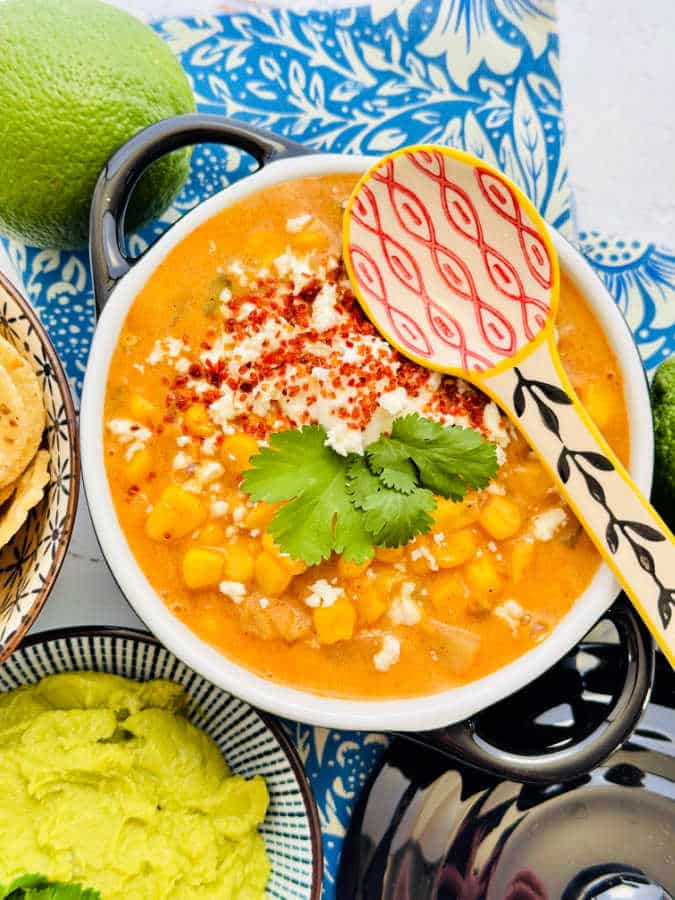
x=412, y=714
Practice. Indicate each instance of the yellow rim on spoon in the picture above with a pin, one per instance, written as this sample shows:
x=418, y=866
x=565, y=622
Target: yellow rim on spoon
x=454, y=266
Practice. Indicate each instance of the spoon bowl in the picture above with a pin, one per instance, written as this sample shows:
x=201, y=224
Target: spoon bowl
x=454, y=266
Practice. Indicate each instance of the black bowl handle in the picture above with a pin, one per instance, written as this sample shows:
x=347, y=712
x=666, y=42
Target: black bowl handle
x=463, y=742
x=116, y=182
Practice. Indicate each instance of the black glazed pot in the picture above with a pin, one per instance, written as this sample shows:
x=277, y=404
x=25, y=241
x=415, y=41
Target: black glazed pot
x=449, y=721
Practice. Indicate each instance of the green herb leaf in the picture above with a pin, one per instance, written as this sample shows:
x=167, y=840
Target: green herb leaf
x=319, y=517
x=37, y=887
x=391, y=517
x=450, y=460
x=346, y=505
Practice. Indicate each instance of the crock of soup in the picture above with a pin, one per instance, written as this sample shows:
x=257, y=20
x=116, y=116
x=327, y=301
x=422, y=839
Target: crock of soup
x=248, y=328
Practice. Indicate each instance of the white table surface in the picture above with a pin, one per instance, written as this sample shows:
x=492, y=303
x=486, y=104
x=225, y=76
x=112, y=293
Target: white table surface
x=618, y=76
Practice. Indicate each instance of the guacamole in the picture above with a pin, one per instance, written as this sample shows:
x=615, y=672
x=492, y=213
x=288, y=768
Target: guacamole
x=104, y=782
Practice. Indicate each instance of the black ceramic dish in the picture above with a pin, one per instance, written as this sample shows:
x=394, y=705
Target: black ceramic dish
x=426, y=830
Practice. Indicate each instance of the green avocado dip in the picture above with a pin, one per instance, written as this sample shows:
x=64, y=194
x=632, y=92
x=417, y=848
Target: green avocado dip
x=105, y=783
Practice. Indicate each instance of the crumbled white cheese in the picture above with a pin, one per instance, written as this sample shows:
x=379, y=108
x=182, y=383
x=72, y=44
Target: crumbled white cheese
x=439, y=537
x=209, y=445
x=203, y=475
x=404, y=610
x=425, y=553
x=181, y=461
x=238, y=513
x=394, y=402
x=235, y=268
x=264, y=602
x=323, y=594
x=245, y=311
x=545, y=525
x=511, y=612
x=296, y=270
x=324, y=313
x=235, y=590
x=169, y=346
x=182, y=365
x=219, y=508
x=183, y=440
x=268, y=337
x=298, y=223
x=389, y=653
x=126, y=431
x=344, y=440
x=225, y=295
x=222, y=410
x=495, y=488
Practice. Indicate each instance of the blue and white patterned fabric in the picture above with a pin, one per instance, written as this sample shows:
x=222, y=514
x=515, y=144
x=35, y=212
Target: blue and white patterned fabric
x=477, y=74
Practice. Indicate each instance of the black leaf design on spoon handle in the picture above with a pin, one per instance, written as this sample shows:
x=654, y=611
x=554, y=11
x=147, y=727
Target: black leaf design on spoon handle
x=542, y=394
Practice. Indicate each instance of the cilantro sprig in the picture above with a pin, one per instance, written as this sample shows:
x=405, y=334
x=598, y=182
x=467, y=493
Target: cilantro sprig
x=351, y=504
x=37, y=887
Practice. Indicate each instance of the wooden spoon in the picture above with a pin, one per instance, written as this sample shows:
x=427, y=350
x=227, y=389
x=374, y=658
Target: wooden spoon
x=455, y=267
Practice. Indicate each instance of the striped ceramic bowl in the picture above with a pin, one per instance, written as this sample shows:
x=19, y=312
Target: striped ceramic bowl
x=250, y=743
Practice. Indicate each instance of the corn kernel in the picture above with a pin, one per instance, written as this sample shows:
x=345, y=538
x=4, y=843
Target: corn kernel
x=598, y=403
x=264, y=245
x=335, y=623
x=530, y=480
x=457, y=548
x=260, y=516
x=271, y=576
x=521, y=557
x=485, y=582
x=501, y=518
x=175, y=515
x=239, y=561
x=212, y=533
x=143, y=409
x=451, y=516
x=447, y=592
x=236, y=451
x=294, y=566
x=389, y=554
x=310, y=239
x=371, y=602
x=139, y=466
x=350, y=569
x=197, y=421
x=202, y=568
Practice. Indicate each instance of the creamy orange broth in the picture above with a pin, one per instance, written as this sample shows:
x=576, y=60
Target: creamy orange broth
x=462, y=579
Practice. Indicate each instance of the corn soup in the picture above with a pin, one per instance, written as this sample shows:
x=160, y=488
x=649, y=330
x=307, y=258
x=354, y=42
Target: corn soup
x=248, y=328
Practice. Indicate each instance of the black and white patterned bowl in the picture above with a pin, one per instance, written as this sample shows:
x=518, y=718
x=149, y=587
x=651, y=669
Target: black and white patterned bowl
x=250, y=743
x=30, y=563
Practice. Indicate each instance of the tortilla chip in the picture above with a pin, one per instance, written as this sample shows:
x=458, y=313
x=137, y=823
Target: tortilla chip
x=6, y=492
x=33, y=425
x=12, y=437
x=29, y=491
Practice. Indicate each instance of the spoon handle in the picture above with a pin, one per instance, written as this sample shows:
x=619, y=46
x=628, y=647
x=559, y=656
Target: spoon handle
x=620, y=521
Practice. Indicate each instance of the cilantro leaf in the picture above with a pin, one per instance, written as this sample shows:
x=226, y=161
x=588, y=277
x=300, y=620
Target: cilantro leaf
x=391, y=517
x=346, y=505
x=361, y=482
x=319, y=517
x=450, y=460
x=395, y=470
x=37, y=887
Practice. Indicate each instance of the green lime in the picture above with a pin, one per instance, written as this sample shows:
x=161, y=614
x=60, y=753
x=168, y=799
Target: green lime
x=77, y=79
x=663, y=407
